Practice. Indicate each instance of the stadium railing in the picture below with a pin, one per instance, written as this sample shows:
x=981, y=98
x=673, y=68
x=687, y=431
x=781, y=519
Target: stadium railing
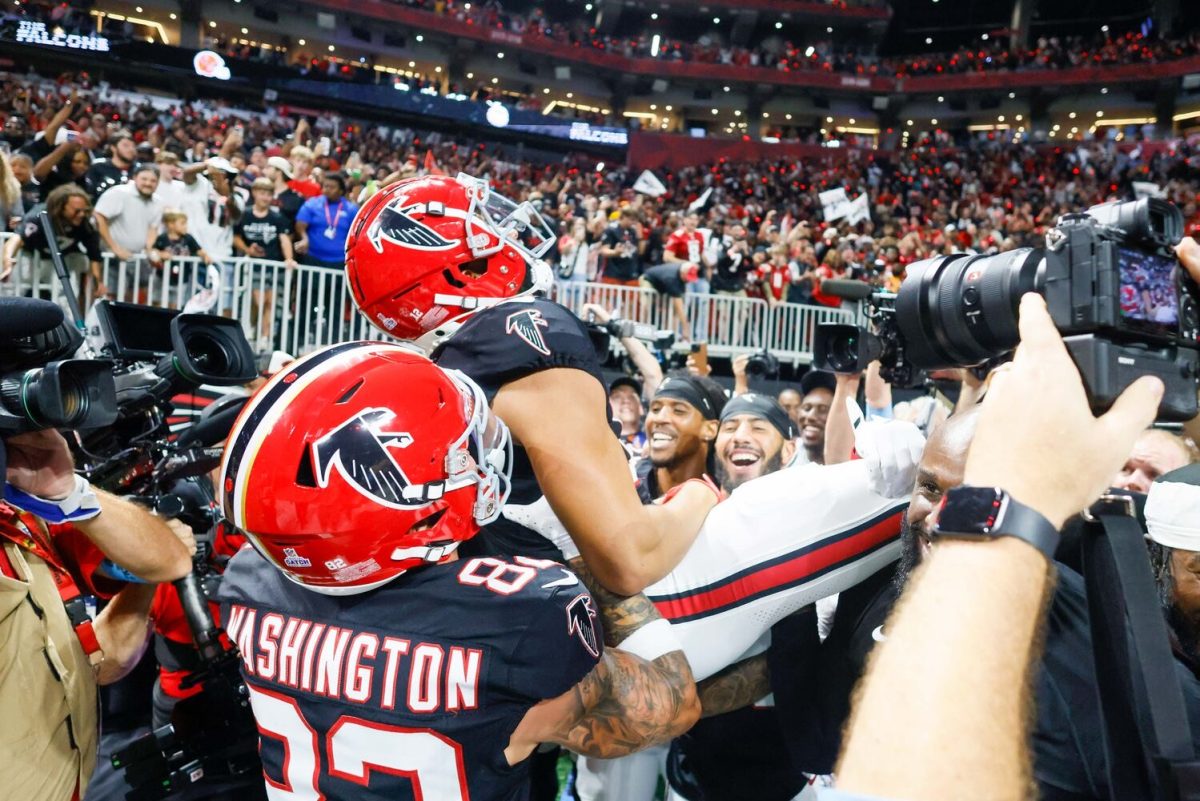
x=303, y=308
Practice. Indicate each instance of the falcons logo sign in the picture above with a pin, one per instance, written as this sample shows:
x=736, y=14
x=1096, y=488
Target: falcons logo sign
x=525, y=324
x=394, y=225
x=581, y=621
x=358, y=450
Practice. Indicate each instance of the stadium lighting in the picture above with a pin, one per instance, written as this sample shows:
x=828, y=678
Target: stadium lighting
x=570, y=95
x=1012, y=95
x=1103, y=90
x=1099, y=113
x=766, y=115
x=1104, y=29
x=655, y=43
x=588, y=7
x=928, y=40
x=331, y=48
x=1071, y=115
x=778, y=26
x=412, y=65
x=546, y=91
x=173, y=15
x=984, y=37
x=716, y=20
x=654, y=107
x=726, y=88
x=1018, y=118
x=908, y=122
x=600, y=167
x=829, y=30
x=714, y=111
x=495, y=80
x=829, y=119
x=941, y=99
x=500, y=55
x=788, y=116
x=933, y=122
x=301, y=42
x=437, y=69
x=737, y=112
x=654, y=15
x=470, y=76
x=138, y=9
x=212, y=24
x=245, y=31
x=420, y=38
x=809, y=52
x=668, y=108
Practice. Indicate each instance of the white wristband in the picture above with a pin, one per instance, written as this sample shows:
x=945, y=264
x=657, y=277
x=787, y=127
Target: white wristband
x=652, y=641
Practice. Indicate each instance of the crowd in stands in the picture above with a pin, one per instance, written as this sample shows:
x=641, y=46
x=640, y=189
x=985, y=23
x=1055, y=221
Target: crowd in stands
x=760, y=231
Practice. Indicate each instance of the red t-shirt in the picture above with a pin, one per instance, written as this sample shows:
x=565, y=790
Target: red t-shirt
x=824, y=273
x=685, y=245
x=775, y=279
x=308, y=189
x=69, y=550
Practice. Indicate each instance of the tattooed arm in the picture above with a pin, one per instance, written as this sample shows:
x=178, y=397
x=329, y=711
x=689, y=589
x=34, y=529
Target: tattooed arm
x=621, y=615
x=624, y=705
x=736, y=686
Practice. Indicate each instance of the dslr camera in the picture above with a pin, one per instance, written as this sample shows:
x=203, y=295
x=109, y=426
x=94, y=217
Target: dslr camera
x=762, y=364
x=1112, y=284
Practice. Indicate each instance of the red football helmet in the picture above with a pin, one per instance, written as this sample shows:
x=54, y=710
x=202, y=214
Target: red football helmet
x=425, y=253
x=362, y=461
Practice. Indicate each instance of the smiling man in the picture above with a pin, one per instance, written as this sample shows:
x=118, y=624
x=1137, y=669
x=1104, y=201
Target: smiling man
x=817, y=388
x=680, y=428
x=755, y=438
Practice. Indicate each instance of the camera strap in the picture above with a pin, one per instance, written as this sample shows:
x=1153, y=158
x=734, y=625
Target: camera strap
x=1139, y=690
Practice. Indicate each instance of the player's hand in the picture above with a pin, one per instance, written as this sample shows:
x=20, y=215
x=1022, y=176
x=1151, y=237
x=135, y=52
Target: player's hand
x=1037, y=436
x=40, y=463
x=891, y=450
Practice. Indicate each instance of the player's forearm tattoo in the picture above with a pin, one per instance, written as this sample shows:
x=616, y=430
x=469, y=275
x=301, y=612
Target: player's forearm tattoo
x=621, y=615
x=736, y=686
x=628, y=704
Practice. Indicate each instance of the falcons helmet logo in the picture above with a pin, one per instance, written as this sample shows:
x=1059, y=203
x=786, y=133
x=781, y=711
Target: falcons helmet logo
x=358, y=449
x=581, y=621
x=394, y=225
x=525, y=324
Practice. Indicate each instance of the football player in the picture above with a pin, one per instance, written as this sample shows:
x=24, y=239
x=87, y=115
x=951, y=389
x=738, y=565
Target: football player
x=379, y=663
x=454, y=267
x=448, y=264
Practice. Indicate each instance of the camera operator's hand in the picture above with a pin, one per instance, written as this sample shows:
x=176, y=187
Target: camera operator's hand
x=1188, y=251
x=40, y=463
x=1037, y=437
x=597, y=311
x=185, y=534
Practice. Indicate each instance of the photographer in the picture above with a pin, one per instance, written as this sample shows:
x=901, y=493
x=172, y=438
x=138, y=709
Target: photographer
x=54, y=656
x=1038, y=439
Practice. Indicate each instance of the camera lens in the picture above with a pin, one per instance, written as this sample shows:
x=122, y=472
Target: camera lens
x=957, y=310
x=209, y=353
x=43, y=397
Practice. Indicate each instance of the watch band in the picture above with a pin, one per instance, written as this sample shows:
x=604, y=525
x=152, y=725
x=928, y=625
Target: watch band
x=990, y=512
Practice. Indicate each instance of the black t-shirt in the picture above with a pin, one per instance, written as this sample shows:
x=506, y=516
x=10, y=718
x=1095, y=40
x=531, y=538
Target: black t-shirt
x=500, y=345
x=731, y=269
x=288, y=203
x=665, y=279
x=185, y=245
x=623, y=268
x=264, y=231
x=103, y=174
x=81, y=239
x=32, y=193
x=37, y=149
x=413, y=688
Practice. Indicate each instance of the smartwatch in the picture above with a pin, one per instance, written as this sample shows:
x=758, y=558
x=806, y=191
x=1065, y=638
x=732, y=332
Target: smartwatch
x=989, y=512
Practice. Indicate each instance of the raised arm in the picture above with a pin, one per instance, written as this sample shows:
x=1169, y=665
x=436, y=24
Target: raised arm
x=587, y=483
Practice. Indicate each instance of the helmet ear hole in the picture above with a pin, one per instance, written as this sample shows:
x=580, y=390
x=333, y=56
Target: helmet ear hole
x=474, y=268
x=427, y=522
x=305, y=475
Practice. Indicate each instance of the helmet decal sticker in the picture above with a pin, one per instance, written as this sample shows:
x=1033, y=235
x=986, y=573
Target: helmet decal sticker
x=358, y=449
x=525, y=324
x=394, y=225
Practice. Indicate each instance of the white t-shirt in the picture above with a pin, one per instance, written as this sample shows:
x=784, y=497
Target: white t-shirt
x=130, y=216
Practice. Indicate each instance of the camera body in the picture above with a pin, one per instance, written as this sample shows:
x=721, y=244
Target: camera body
x=1113, y=287
x=762, y=364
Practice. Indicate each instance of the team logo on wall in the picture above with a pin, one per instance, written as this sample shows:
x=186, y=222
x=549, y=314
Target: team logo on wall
x=526, y=325
x=359, y=449
x=396, y=226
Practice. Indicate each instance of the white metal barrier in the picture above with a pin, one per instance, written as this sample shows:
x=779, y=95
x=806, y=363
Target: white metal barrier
x=303, y=308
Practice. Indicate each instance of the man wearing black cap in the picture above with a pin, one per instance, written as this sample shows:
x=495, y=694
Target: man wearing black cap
x=680, y=427
x=816, y=388
x=756, y=437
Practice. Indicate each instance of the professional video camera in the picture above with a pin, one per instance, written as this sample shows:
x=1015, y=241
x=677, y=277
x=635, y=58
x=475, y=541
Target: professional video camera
x=1112, y=284
x=39, y=388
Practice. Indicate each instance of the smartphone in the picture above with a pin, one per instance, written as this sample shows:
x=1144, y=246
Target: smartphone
x=699, y=358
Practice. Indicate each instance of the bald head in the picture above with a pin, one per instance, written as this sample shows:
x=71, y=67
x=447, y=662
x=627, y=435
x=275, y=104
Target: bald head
x=942, y=465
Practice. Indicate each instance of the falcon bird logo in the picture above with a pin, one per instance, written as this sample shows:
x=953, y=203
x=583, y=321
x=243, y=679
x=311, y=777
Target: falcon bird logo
x=394, y=225
x=581, y=621
x=358, y=450
x=525, y=324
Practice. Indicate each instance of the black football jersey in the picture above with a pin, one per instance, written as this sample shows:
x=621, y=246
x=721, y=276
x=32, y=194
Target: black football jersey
x=410, y=691
x=500, y=345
